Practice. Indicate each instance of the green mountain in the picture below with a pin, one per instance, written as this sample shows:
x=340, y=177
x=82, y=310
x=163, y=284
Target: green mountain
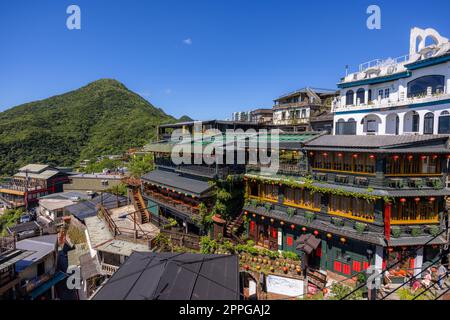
x=103, y=117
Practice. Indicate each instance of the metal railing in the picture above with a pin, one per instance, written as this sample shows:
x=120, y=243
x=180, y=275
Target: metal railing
x=401, y=99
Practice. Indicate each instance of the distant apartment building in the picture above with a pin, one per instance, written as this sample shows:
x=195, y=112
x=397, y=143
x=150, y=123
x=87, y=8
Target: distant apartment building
x=404, y=95
x=306, y=109
x=93, y=182
x=30, y=183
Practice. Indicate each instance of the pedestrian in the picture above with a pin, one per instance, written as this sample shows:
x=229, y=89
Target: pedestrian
x=426, y=282
x=442, y=276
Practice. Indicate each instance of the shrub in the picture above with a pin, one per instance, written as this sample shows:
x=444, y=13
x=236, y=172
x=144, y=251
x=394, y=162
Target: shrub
x=360, y=227
x=415, y=231
x=290, y=255
x=434, y=230
x=396, y=231
x=310, y=216
x=337, y=221
x=290, y=212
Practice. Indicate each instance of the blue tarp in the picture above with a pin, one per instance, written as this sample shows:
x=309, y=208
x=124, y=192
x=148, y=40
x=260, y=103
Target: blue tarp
x=59, y=276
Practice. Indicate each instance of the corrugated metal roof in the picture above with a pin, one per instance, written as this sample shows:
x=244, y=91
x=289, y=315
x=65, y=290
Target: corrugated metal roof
x=42, y=246
x=174, y=276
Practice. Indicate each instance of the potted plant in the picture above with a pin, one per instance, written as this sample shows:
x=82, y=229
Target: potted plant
x=415, y=231
x=290, y=212
x=339, y=222
x=310, y=216
x=396, y=231
x=434, y=230
x=360, y=227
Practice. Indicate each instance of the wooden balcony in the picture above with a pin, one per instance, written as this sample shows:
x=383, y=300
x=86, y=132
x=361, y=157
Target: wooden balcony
x=175, y=204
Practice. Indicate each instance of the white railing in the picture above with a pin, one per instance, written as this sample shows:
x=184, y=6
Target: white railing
x=378, y=63
x=402, y=99
x=109, y=269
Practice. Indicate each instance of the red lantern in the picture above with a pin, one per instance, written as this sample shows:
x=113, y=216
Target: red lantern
x=340, y=155
x=355, y=156
x=282, y=223
x=246, y=212
x=402, y=200
x=372, y=156
x=390, y=249
x=448, y=157
x=246, y=267
x=292, y=226
x=316, y=233
x=423, y=157
x=254, y=215
x=311, y=153
x=325, y=154
x=304, y=229
x=396, y=158
x=410, y=158
x=432, y=199
x=435, y=157
x=417, y=199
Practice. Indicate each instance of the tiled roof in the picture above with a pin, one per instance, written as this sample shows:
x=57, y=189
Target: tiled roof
x=177, y=181
x=376, y=141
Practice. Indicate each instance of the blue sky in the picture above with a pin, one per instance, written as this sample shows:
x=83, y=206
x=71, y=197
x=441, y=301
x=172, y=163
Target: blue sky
x=203, y=58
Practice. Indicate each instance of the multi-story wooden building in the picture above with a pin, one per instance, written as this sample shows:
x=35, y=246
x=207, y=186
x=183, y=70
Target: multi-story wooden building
x=370, y=200
x=179, y=190
x=30, y=183
x=294, y=111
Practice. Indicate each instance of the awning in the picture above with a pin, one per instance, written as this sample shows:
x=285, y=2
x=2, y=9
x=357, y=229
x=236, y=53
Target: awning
x=307, y=243
x=59, y=276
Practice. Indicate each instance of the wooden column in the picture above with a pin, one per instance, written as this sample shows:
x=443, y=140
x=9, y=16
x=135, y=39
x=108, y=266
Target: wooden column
x=387, y=220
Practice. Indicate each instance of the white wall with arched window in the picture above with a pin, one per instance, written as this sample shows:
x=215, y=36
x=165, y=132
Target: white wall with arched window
x=349, y=98
x=428, y=123
x=393, y=124
x=372, y=124
x=444, y=122
x=360, y=96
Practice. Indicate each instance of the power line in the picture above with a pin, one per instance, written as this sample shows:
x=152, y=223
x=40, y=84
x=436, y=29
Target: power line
x=398, y=262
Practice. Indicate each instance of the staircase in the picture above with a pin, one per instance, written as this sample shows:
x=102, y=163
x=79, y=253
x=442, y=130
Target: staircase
x=140, y=206
x=235, y=224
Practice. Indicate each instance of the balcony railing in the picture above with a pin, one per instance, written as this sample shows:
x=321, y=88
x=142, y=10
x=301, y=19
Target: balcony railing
x=109, y=269
x=402, y=99
x=283, y=168
x=176, y=205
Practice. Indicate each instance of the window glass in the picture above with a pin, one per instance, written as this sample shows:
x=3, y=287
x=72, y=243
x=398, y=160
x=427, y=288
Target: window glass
x=419, y=87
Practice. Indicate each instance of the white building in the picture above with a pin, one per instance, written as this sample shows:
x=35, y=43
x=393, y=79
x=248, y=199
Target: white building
x=405, y=95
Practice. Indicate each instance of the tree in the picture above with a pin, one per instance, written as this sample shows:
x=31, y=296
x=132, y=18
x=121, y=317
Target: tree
x=139, y=165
